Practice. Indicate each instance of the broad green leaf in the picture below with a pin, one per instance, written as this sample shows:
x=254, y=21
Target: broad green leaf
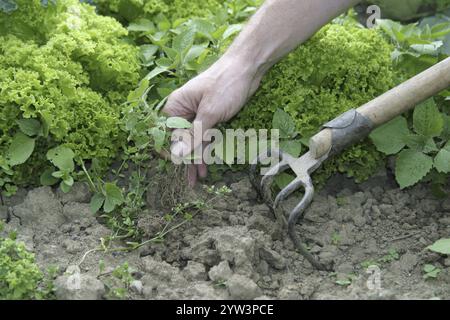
x=47, y=178
x=232, y=30
x=171, y=53
x=62, y=158
x=58, y=174
x=162, y=22
x=390, y=138
x=411, y=167
x=292, y=147
x=31, y=127
x=137, y=95
x=428, y=121
x=184, y=40
x=193, y=53
x=204, y=27
x=65, y=187
x=442, y=246
x=159, y=137
x=429, y=268
x=20, y=149
x=148, y=52
x=178, y=123
x=159, y=38
x=142, y=25
x=165, y=63
x=164, y=92
x=442, y=160
x=97, y=202
x=155, y=72
x=440, y=30
x=69, y=181
x=421, y=143
x=430, y=49
x=283, y=122
x=113, y=197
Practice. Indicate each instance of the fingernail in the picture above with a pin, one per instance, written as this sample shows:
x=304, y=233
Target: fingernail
x=180, y=149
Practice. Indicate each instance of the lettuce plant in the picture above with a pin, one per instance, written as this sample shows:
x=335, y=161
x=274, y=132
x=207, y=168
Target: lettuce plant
x=64, y=73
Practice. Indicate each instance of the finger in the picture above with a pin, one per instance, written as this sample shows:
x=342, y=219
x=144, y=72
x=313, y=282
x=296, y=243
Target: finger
x=202, y=170
x=192, y=175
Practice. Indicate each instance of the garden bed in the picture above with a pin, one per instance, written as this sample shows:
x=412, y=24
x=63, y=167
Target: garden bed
x=236, y=249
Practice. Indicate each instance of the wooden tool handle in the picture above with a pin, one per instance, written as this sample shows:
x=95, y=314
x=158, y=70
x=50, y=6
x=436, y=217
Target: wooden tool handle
x=393, y=103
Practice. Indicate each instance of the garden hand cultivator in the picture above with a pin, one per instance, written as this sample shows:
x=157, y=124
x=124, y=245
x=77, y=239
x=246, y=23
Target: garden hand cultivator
x=349, y=128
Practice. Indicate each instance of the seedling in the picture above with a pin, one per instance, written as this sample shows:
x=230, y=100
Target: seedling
x=431, y=271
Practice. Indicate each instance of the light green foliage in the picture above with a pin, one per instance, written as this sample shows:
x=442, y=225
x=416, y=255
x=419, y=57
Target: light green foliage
x=391, y=256
x=425, y=142
x=411, y=167
x=340, y=68
x=19, y=275
x=175, y=52
x=441, y=246
x=390, y=139
x=118, y=282
x=418, y=45
x=431, y=271
x=130, y=10
x=64, y=73
x=419, y=149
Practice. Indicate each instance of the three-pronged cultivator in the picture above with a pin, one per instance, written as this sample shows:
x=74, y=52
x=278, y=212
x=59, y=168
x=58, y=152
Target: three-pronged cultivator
x=337, y=135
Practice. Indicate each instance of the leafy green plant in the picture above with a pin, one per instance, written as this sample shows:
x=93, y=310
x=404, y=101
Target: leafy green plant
x=63, y=159
x=20, y=277
x=179, y=216
x=289, y=142
x=431, y=271
x=65, y=71
x=118, y=281
x=418, y=45
x=336, y=238
x=419, y=150
x=391, y=256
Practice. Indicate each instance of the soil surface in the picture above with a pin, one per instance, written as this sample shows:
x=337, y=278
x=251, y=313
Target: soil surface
x=375, y=234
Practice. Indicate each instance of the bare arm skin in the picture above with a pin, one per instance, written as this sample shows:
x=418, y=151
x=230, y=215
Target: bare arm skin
x=220, y=92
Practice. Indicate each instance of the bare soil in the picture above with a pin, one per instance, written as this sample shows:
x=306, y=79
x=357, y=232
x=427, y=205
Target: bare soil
x=237, y=250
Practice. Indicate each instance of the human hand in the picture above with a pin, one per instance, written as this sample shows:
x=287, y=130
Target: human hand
x=213, y=97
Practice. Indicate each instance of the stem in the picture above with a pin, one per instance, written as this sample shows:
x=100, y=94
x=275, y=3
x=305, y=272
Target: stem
x=91, y=183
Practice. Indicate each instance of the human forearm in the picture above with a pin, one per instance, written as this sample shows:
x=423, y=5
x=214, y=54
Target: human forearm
x=278, y=27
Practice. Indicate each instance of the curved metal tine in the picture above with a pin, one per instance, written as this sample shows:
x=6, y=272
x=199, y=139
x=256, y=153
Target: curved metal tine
x=254, y=165
x=286, y=192
x=297, y=214
x=267, y=180
x=299, y=210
